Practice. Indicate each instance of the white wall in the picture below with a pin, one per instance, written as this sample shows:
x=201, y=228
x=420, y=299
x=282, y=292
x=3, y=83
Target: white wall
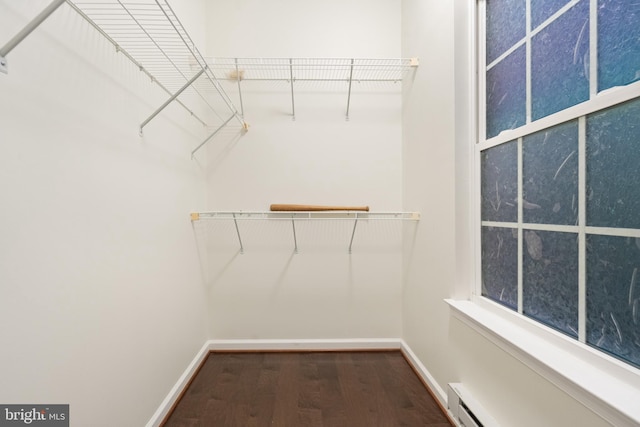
x=429, y=182
x=101, y=295
x=320, y=158
x=304, y=28
x=438, y=259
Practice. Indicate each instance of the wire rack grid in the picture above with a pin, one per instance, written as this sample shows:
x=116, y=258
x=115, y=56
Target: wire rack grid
x=150, y=34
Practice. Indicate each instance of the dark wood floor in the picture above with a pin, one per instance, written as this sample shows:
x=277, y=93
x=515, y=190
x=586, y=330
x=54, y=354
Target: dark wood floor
x=341, y=389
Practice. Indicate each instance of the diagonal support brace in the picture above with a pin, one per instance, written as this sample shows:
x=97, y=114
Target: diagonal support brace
x=213, y=134
x=353, y=233
x=293, y=103
x=295, y=239
x=349, y=94
x=235, y=221
x=35, y=22
x=171, y=99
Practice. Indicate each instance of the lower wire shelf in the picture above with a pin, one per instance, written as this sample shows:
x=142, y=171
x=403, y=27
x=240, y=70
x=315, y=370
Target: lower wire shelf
x=355, y=216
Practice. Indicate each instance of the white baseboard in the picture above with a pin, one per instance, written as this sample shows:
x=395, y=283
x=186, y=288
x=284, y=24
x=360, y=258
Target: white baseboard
x=424, y=373
x=294, y=345
x=307, y=344
x=179, y=387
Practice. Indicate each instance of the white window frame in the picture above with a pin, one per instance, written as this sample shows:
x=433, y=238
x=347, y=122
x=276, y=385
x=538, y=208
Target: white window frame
x=604, y=384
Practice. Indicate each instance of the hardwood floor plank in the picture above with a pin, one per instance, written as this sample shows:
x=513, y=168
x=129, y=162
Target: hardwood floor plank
x=285, y=412
x=310, y=389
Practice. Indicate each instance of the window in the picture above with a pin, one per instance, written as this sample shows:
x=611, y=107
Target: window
x=559, y=153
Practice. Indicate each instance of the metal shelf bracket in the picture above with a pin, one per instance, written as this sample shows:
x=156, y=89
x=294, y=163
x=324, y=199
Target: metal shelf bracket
x=295, y=240
x=349, y=96
x=291, y=78
x=235, y=221
x=353, y=233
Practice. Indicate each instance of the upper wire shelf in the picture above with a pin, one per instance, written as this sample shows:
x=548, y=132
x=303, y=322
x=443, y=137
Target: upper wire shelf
x=150, y=34
x=313, y=69
x=292, y=71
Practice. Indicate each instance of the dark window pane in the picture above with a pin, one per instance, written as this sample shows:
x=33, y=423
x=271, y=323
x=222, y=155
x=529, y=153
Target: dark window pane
x=541, y=10
x=500, y=265
x=550, y=175
x=550, y=282
x=505, y=26
x=618, y=42
x=506, y=93
x=613, y=167
x=499, y=180
x=613, y=296
x=560, y=63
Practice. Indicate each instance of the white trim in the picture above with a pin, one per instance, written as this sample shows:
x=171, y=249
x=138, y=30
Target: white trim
x=593, y=48
x=520, y=260
x=605, y=99
x=480, y=9
x=499, y=224
x=582, y=237
x=424, y=373
x=178, y=388
x=528, y=99
x=604, y=231
x=619, y=232
x=533, y=31
x=601, y=383
x=306, y=344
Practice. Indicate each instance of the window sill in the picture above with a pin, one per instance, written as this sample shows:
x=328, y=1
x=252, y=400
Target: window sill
x=606, y=385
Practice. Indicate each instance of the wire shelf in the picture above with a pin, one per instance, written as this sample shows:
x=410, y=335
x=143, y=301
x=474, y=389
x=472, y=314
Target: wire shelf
x=304, y=215
x=313, y=69
x=293, y=71
x=294, y=217
x=150, y=34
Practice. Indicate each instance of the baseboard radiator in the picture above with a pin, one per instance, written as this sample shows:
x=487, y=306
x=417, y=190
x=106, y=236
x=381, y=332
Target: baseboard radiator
x=465, y=410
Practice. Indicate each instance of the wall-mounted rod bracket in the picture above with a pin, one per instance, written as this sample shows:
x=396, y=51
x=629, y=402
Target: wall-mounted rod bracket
x=172, y=98
x=35, y=22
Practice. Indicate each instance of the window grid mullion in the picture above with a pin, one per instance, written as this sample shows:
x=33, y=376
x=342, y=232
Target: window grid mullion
x=593, y=48
x=482, y=74
x=582, y=238
x=520, y=231
x=528, y=101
